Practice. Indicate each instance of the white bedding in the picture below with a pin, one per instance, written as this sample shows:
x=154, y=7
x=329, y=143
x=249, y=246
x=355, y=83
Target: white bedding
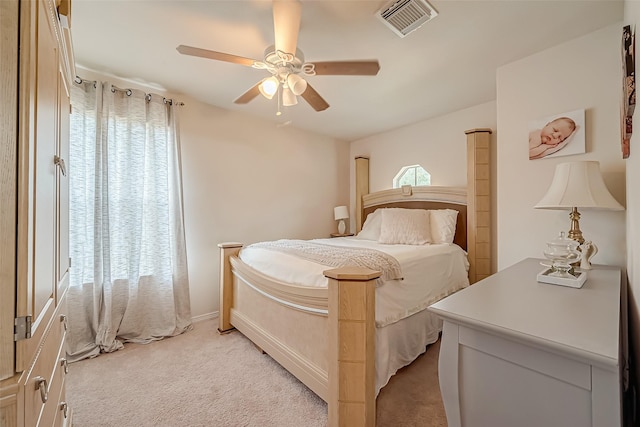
x=430, y=272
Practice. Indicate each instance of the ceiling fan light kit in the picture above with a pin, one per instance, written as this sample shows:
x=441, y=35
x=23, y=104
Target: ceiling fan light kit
x=285, y=69
x=286, y=63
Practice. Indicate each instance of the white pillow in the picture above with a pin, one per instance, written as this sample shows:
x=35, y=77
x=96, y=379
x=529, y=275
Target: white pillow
x=443, y=225
x=405, y=226
x=371, y=227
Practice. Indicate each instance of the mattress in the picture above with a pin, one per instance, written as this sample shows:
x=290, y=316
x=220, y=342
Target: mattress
x=430, y=272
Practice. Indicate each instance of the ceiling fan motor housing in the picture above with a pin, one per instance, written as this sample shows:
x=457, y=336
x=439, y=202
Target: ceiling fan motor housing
x=275, y=58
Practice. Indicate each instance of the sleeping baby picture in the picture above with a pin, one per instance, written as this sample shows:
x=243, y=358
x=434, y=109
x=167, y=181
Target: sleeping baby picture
x=558, y=135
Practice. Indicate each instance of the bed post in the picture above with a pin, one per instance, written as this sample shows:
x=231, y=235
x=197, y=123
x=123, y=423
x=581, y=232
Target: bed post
x=226, y=285
x=479, y=203
x=362, y=188
x=352, y=365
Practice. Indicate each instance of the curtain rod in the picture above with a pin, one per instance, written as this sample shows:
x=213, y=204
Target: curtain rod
x=147, y=96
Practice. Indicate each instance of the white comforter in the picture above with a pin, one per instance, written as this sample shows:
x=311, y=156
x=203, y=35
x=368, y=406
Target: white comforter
x=431, y=272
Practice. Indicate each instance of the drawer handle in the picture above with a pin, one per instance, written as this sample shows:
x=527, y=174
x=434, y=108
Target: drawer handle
x=64, y=408
x=41, y=384
x=65, y=365
x=63, y=319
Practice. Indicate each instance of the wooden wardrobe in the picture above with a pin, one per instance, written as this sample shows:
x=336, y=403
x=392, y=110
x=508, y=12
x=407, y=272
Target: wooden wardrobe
x=36, y=73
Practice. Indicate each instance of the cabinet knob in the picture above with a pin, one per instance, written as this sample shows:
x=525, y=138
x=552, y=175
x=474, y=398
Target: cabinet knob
x=64, y=408
x=41, y=384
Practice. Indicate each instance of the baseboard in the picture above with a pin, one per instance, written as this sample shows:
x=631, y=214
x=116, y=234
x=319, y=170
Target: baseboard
x=206, y=316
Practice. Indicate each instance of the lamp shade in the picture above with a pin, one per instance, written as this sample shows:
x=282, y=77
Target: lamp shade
x=288, y=97
x=340, y=212
x=580, y=185
x=296, y=83
x=268, y=87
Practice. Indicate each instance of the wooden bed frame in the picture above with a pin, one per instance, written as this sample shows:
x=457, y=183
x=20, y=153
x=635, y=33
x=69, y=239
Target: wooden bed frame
x=326, y=336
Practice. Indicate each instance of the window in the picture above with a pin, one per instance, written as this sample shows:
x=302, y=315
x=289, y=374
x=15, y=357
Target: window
x=412, y=175
x=128, y=281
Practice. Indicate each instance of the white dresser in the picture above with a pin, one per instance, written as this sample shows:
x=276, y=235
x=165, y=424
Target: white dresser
x=516, y=352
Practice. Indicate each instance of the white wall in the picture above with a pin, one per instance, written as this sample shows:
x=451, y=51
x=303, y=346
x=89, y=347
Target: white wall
x=439, y=145
x=246, y=180
x=581, y=74
x=632, y=17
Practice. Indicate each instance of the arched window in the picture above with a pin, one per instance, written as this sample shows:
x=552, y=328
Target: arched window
x=413, y=175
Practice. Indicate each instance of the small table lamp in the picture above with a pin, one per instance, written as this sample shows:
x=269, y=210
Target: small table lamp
x=340, y=213
x=578, y=185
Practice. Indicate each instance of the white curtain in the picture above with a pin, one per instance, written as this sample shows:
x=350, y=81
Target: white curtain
x=128, y=280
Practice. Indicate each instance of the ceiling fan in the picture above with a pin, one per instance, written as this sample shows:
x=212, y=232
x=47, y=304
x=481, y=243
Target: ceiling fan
x=286, y=64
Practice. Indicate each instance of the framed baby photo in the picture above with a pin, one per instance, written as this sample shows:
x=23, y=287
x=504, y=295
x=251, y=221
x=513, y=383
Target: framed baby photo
x=558, y=135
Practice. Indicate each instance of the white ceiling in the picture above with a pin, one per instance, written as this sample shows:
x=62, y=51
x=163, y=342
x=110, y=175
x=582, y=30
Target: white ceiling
x=446, y=65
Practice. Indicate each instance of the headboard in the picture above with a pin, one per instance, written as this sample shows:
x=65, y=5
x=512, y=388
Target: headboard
x=473, y=202
x=427, y=197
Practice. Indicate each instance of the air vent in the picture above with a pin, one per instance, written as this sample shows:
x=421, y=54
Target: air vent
x=405, y=16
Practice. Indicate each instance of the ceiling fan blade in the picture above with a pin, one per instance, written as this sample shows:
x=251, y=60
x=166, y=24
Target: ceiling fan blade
x=347, y=68
x=211, y=54
x=314, y=99
x=286, y=24
x=248, y=95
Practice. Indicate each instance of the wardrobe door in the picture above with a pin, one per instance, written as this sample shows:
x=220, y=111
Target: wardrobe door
x=9, y=14
x=37, y=198
x=62, y=162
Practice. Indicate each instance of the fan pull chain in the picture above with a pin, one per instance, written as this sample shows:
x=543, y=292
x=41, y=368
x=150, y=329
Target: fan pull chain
x=279, y=112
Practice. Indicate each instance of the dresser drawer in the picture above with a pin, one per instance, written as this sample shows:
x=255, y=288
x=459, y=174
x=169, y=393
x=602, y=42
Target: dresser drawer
x=45, y=380
x=63, y=412
x=542, y=361
x=52, y=407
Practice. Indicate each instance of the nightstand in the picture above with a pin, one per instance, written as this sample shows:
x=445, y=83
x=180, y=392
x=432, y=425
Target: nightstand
x=517, y=352
x=341, y=235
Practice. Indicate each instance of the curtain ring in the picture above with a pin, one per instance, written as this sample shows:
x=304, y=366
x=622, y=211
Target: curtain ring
x=129, y=92
x=78, y=80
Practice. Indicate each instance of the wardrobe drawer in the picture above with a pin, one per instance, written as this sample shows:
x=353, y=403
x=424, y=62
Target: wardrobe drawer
x=43, y=384
x=51, y=408
x=60, y=319
x=63, y=412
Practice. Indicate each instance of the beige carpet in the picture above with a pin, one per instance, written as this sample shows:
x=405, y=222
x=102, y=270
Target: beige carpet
x=202, y=378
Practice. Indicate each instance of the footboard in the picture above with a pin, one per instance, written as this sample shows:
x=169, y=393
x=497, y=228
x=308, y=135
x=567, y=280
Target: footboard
x=325, y=337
